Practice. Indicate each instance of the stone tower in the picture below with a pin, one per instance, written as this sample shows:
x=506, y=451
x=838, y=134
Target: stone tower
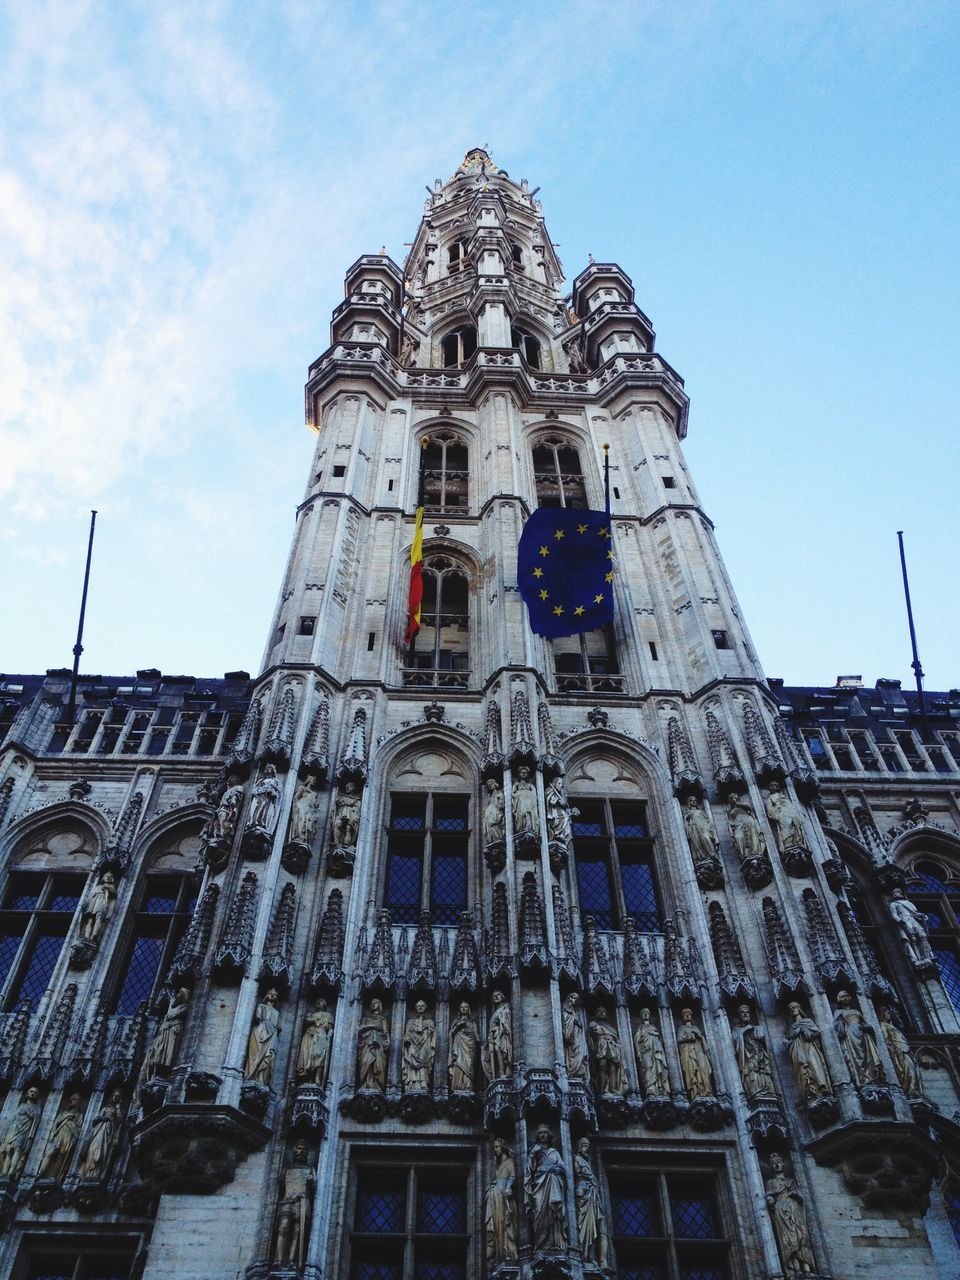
x=486, y=955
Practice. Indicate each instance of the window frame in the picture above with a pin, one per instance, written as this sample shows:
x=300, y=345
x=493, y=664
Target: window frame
x=141, y=923
x=465, y=339
x=564, y=480
x=454, y=670
x=395, y=835
x=32, y=923
x=85, y=1256
x=445, y=440
x=606, y=844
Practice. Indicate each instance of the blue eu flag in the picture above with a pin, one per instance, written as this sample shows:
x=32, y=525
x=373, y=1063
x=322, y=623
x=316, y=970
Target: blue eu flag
x=565, y=570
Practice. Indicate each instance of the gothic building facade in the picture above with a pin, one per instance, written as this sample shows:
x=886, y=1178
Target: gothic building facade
x=490, y=956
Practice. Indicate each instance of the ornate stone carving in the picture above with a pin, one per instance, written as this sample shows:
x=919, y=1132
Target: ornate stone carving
x=805, y=779
x=683, y=763
x=591, y=1213
x=525, y=813
x=832, y=966
x=101, y=1144
x=233, y=954
x=550, y=761
x=116, y=855
x=308, y=1112
x=682, y=964
x=381, y=965
x=6, y=795
x=522, y=750
x=651, y=1058
x=695, y=1065
x=162, y=1051
x=533, y=928
x=789, y=1219
x=858, y=1041
x=782, y=956
x=727, y=774
x=609, y=1072
x=888, y=1165
x=492, y=764
x=788, y=831
x=566, y=962
x=244, y=746
x=344, y=829
x=353, y=762
x=303, y=826
x=753, y=1058
x=418, y=1051
x=464, y=1046
x=809, y=1065
x=749, y=842
x=316, y=751
x=494, y=829
x=193, y=1148
x=276, y=966
x=574, y=1039
x=560, y=817
x=298, y=1185
x=912, y=927
x=373, y=1047
x=868, y=966
x=496, y=1056
x=313, y=1056
x=95, y=915
x=264, y=804
x=597, y=975
x=735, y=982
x=498, y=959
x=328, y=963
x=767, y=765
x=639, y=976
x=189, y=956
x=703, y=843
x=262, y=1041
x=42, y=1067
x=500, y=1210
x=279, y=741
x=422, y=971
x=465, y=964
x=88, y=1057
x=19, y=1134
x=546, y=1195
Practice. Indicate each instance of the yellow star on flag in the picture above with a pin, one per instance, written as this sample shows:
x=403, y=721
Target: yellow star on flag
x=579, y=610
x=598, y=599
x=544, y=551
x=544, y=595
x=608, y=577
x=538, y=572
x=581, y=528
x=558, y=609
x=558, y=535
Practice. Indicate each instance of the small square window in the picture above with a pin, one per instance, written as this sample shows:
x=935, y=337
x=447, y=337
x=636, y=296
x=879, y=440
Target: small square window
x=307, y=626
x=339, y=471
x=721, y=639
x=669, y=482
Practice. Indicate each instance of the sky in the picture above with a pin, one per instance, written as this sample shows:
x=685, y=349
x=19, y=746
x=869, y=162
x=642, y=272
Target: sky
x=183, y=185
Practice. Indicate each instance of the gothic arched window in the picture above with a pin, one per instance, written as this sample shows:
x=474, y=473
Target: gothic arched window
x=528, y=346
x=458, y=346
x=444, y=470
x=614, y=863
x=427, y=862
x=935, y=888
x=440, y=654
x=165, y=906
x=457, y=256
x=34, y=919
x=558, y=475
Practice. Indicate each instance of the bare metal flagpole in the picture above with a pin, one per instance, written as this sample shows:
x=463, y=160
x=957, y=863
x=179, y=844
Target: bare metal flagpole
x=917, y=668
x=78, y=647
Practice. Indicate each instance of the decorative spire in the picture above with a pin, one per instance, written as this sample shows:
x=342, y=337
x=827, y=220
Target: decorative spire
x=639, y=975
x=233, y=954
x=244, y=746
x=727, y=773
x=533, y=927
x=805, y=779
x=876, y=985
x=831, y=964
x=497, y=938
x=567, y=966
x=316, y=754
x=116, y=856
x=782, y=956
x=422, y=970
x=381, y=965
x=189, y=955
x=89, y=1055
x=43, y=1066
x=278, y=953
x=767, y=765
x=465, y=965
x=353, y=762
x=328, y=964
x=521, y=732
x=13, y=1037
x=6, y=794
x=682, y=965
x=683, y=763
x=735, y=983
x=596, y=962
x=279, y=743
x=550, y=760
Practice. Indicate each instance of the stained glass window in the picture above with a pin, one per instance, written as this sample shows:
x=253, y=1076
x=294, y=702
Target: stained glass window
x=409, y=1222
x=635, y=1215
x=665, y=1224
x=39, y=968
x=380, y=1208
x=427, y=865
x=693, y=1217
x=613, y=856
x=165, y=906
x=441, y=1209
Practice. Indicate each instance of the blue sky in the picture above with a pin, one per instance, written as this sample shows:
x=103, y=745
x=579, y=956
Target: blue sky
x=182, y=187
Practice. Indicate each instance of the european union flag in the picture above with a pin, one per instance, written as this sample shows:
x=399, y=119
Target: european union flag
x=565, y=570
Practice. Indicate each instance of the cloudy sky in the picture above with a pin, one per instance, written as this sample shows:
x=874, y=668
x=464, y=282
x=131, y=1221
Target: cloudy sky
x=182, y=186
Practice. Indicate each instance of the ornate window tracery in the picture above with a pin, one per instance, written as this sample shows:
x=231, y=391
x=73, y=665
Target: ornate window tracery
x=614, y=863
x=935, y=888
x=440, y=654
x=558, y=474
x=529, y=347
x=427, y=863
x=444, y=469
x=164, y=910
x=34, y=920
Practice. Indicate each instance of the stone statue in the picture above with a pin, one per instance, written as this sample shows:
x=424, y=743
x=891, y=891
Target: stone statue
x=806, y=1056
x=418, y=1050
x=19, y=1134
x=162, y=1051
x=464, y=1043
x=303, y=819
x=500, y=1210
x=749, y=1046
x=266, y=798
x=651, y=1059
x=373, y=1046
x=694, y=1060
x=560, y=814
x=313, y=1056
x=784, y=818
x=224, y=822
x=546, y=1195
x=912, y=926
x=904, y=1062
x=701, y=837
x=62, y=1140
x=346, y=817
x=608, y=1065
x=523, y=802
x=574, y=1038
x=493, y=814
x=98, y=909
x=591, y=1216
x=496, y=1056
x=104, y=1134
x=297, y=1187
x=858, y=1041
x=789, y=1219
x=747, y=835
x=261, y=1044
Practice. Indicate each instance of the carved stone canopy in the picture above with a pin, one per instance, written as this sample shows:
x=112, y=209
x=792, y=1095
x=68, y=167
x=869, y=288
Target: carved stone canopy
x=887, y=1164
x=194, y=1149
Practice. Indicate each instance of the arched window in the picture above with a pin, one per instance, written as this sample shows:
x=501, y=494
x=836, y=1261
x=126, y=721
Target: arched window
x=427, y=837
x=458, y=346
x=440, y=654
x=36, y=915
x=444, y=471
x=457, y=256
x=164, y=909
x=935, y=889
x=587, y=663
x=516, y=255
x=528, y=346
x=558, y=475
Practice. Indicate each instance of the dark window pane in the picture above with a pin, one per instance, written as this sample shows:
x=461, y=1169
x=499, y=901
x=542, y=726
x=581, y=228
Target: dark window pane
x=701, y=1272
x=593, y=882
x=631, y=1272
x=52, y=1272
x=377, y=1270
x=929, y=882
x=639, y=894
x=635, y=1215
x=952, y=1201
x=949, y=967
x=590, y=822
x=402, y=896
x=23, y=892
x=66, y=894
x=439, y=1270
x=160, y=896
x=442, y=1210
x=629, y=821
x=40, y=966
x=408, y=813
x=693, y=1217
x=380, y=1209
x=9, y=946
x=448, y=893
x=450, y=813
x=141, y=974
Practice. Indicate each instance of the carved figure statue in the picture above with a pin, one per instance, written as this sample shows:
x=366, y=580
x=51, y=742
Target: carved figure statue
x=747, y=835
x=701, y=836
x=262, y=1041
x=500, y=1209
x=789, y=1220
x=694, y=1060
x=496, y=1056
x=784, y=818
x=523, y=802
x=464, y=1043
x=224, y=821
x=62, y=1140
x=608, y=1065
x=560, y=814
x=266, y=798
x=574, y=1038
x=313, y=1056
x=493, y=813
x=98, y=909
x=373, y=1045
x=418, y=1051
x=904, y=1062
x=346, y=817
x=858, y=1041
x=546, y=1194
x=19, y=1134
x=591, y=1216
x=303, y=819
x=750, y=1048
x=297, y=1187
x=104, y=1134
x=651, y=1059
x=162, y=1051
x=806, y=1056
x=912, y=926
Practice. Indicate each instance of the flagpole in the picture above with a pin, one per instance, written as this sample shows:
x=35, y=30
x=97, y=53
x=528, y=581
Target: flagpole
x=917, y=668
x=78, y=647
